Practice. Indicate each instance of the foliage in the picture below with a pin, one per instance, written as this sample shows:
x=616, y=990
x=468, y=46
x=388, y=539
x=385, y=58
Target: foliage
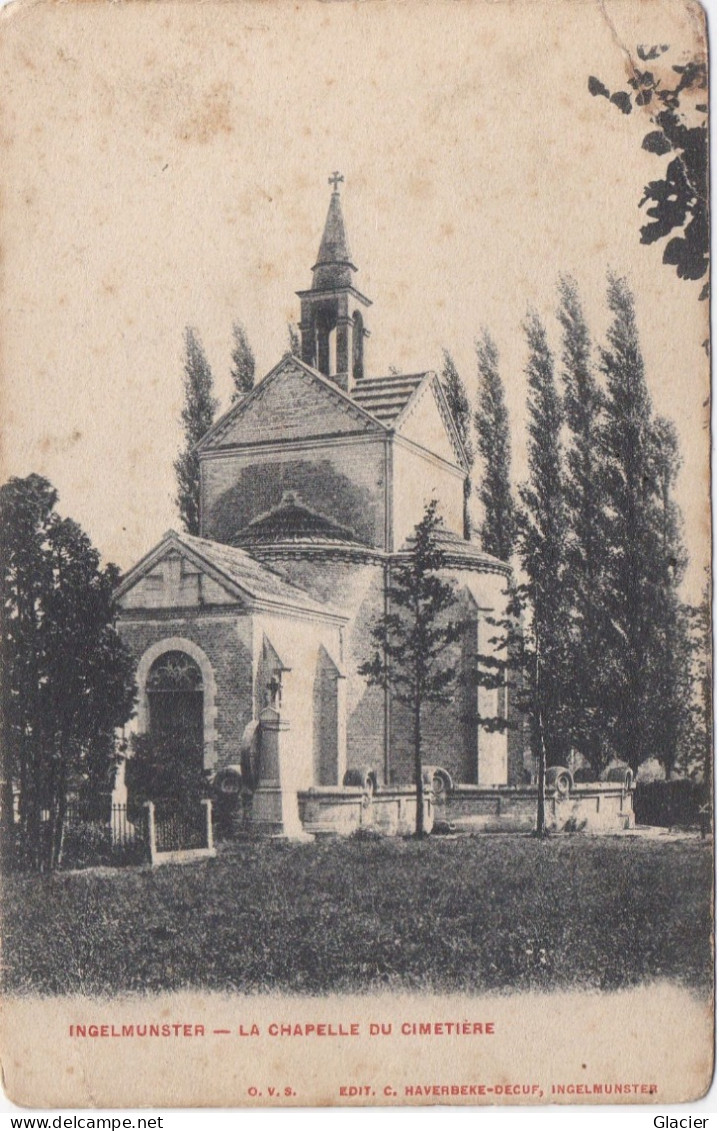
x=456, y=394
x=411, y=639
x=165, y=768
x=358, y=916
x=610, y=662
x=636, y=571
x=498, y=531
x=679, y=200
x=543, y=531
x=67, y=676
x=586, y=534
x=197, y=416
x=695, y=755
x=494, y=668
x=293, y=341
x=243, y=363
x=671, y=655
x=702, y=659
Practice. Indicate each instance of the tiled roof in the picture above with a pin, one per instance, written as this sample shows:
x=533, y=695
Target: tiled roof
x=250, y=575
x=457, y=549
x=386, y=397
x=257, y=581
x=292, y=521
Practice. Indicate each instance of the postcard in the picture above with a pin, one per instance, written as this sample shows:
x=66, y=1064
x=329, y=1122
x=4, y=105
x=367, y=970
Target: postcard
x=355, y=525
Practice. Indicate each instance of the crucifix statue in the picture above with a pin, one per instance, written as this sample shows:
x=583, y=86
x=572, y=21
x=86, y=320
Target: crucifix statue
x=335, y=180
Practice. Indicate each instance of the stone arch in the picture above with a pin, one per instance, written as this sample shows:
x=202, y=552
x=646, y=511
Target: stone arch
x=209, y=705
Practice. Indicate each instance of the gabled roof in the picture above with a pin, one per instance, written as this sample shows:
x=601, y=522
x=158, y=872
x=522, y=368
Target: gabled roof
x=234, y=569
x=375, y=404
x=392, y=399
x=350, y=410
x=387, y=397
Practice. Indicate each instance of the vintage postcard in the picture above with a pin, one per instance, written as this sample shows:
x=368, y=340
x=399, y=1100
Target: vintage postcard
x=355, y=517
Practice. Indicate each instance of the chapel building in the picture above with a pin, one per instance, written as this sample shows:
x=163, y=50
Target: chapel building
x=310, y=487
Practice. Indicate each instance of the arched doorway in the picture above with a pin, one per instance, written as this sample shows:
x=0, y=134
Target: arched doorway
x=175, y=700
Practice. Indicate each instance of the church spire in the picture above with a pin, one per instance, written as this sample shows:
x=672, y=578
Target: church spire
x=331, y=323
x=334, y=259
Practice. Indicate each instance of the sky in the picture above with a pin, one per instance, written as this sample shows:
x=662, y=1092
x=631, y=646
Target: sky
x=167, y=164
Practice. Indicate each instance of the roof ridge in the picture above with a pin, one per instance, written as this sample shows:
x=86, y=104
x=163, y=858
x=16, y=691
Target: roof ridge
x=262, y=567
x=389, y=377
x=223, y=424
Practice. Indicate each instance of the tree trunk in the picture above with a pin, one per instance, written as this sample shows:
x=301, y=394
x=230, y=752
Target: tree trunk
x=59, y=810
x=419, y=822
x=541, y=829
x=541, y=777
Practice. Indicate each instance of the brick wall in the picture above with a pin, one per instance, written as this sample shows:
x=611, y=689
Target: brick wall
x=416, y=480
x=357, y=590
x=345, y=482
x=225, y=640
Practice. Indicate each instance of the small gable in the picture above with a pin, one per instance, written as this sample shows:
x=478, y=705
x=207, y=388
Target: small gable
x=426, y=422
x=291, y=403
x=173, y=581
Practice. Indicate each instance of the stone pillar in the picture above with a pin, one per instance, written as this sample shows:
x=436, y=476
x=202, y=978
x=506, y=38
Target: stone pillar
x=151, y=841
x=208, y=823
x=344, y=331
x=274, y=804
x=323, y=350
x=341, y=727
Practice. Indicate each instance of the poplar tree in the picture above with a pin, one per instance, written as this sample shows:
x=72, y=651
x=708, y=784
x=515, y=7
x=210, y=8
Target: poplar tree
x=498, y=530
x=243, y=363
x=456, y=394
x=293, y=341
x=670, y=687
x=634, y=559
x=586, y=541
x=197, y=416
x=542, y=546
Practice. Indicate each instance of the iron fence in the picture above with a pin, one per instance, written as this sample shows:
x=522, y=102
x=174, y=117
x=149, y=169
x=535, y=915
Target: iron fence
x=120, y=837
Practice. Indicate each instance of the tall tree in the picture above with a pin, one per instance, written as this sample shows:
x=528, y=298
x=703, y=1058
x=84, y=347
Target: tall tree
x=634, y=561
x=702, y=672
x=243, y=363
x=293, y=340
x=670, y=689
x=498, y=531
x=67, y=676
x=586, y=541
x=679, y=201
x=456, y=394
x=197, y=416
x=411, y=639
x=542, y=546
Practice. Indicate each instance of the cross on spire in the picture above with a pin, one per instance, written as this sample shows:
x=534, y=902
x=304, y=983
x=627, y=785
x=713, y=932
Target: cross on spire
x=335, y=180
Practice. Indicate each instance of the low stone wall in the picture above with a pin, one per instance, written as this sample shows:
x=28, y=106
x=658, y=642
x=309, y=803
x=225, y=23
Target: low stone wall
x=595, y=807
x=342, y=810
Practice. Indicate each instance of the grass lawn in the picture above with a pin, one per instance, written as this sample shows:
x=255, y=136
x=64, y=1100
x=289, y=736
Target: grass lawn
x=470, y=915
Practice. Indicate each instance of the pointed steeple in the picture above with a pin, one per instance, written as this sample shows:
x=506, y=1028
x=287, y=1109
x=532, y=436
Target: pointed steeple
x=334, y=259
x=332, y=322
